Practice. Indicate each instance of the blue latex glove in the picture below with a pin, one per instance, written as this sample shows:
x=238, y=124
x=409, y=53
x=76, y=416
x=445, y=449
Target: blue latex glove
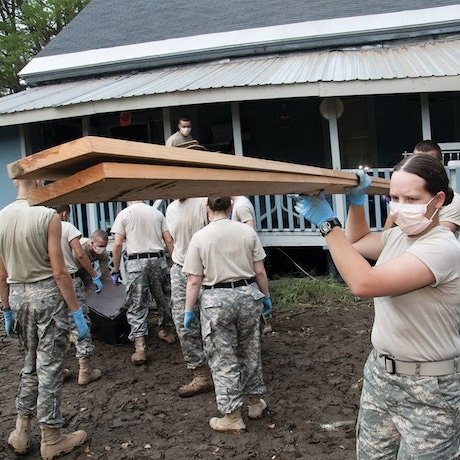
x=8, y=316
x=80, y=322
x=189, y=319
x=97, y=281
x=357, y=194
x=116, y=278
x=267, y=301
x=314, y=208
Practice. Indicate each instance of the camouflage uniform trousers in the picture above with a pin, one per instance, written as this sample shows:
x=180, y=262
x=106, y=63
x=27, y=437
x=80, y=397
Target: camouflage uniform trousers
x=230, y=327
x=41, y=322
x=190, y=341
x=84, y=348
x=408, y=417
x=144, y=275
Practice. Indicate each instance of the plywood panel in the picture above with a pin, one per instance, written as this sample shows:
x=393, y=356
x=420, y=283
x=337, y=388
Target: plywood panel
x=65, y=159
x=123, y=182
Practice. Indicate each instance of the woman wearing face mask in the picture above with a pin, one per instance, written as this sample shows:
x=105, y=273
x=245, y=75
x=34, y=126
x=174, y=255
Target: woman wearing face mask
x=410, y=401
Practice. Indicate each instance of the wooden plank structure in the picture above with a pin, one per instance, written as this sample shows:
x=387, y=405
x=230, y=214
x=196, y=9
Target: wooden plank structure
x=96, y=169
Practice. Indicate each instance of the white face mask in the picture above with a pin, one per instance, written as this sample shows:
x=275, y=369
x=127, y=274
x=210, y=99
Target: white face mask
x=98, y=249
x=411, y=218
x=185, y=131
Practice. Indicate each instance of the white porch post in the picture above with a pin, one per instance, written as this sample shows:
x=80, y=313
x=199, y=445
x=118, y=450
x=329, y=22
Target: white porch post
x=166, y=122
x=91, y=208
x=425, y=115
x=236, y=126
x=331, y=116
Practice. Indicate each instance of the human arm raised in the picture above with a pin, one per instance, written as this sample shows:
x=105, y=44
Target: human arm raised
x=402, y=274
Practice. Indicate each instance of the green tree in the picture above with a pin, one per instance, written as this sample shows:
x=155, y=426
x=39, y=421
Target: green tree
x=26, y=26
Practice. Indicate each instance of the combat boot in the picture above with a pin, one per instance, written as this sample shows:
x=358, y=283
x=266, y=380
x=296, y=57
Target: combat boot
x=167, y=334
x=140, y=355
x=86, y=374
x=229, y=422
x=19, y=439
x=201, y=383
x=256, y=406
x=54, y=443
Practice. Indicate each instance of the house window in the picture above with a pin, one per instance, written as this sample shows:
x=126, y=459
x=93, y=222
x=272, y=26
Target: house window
x=445, y=117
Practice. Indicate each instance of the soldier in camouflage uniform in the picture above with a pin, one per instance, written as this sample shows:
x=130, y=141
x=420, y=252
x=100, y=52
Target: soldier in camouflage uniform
x=410, y=401
x=226, y=258
x=184, y=217
x=144, y=229
x=96, y=250
x=74, y=255
x=35, y=287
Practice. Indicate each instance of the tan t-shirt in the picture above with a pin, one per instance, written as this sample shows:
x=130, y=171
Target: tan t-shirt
x=223, y=251
x=142, y=226
x=24, y=242
x=69, y=233
x=451, y=212
x=184, y=219
x=422, y=325
x=177, y=138
x=243, y=210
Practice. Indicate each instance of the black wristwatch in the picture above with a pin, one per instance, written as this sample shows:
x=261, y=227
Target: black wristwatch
x=328, y=225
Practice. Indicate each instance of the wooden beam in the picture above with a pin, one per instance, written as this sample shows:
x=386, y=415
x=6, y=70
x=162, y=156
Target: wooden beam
x=65, y=159
x=122, y=182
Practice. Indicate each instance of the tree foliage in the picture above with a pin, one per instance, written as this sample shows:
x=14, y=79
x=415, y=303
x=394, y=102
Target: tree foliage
x=26, y=26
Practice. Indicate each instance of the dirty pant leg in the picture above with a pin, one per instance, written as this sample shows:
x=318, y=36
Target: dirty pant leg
x=249, y=348
x=136, y=298
x=42, y=317
x=157, y=286
x=83, y=348
x=408, y=417
x=232, y=338
x=190, y=341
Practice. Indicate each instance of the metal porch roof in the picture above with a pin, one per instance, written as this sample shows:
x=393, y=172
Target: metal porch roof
x=410, y=67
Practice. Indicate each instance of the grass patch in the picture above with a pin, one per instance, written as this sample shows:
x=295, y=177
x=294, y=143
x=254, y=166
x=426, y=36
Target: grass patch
x=287, y=292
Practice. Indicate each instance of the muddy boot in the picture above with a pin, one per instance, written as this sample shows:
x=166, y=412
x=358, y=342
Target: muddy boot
x=140, y=355
x=229, y=422
x=256, y=406
x=54, y=443
x=167, y=334
x=19, y=439
x=201, y=383
x=86, y=374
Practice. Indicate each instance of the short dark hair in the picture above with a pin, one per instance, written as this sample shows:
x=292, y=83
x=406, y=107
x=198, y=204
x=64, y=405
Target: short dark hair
x=219, y=203
x=428, y=145
x=183, y=117
x=61, y=208
x=431, y=171
x=102, y=234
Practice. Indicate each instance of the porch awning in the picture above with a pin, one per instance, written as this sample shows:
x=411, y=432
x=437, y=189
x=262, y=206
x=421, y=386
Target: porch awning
x=428, y=66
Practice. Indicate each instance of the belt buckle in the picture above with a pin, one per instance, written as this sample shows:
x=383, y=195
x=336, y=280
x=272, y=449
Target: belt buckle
x=390, y=364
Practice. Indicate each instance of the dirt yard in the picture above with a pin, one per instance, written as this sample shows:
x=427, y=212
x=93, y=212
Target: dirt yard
x=312, y=366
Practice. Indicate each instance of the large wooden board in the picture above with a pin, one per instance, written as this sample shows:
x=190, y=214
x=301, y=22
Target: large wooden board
x=95, y=169
x=123, y=182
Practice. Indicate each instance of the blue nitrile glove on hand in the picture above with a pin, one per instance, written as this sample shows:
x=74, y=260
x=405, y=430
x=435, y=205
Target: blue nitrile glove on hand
x=357, y=194
x=8, y=316
x=116, y=278
x=314, y=208
x=97, y=281
x=267, y=301
x=189, y=319
x=80, y=322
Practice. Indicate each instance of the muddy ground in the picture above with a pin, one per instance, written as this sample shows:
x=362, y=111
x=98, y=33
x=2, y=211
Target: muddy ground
x=312, y=367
